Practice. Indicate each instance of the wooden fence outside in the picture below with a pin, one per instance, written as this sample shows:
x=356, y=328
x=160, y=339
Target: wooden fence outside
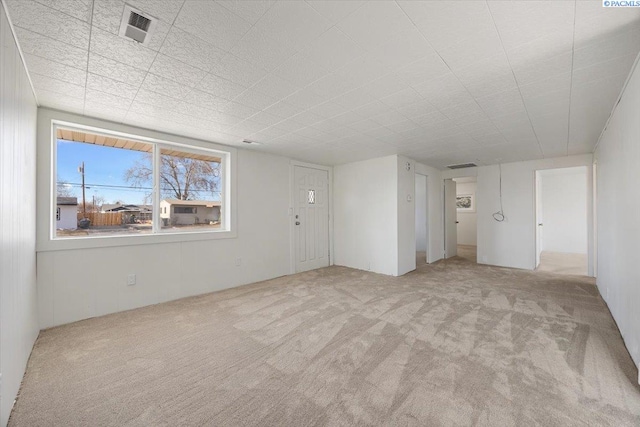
x=99, y=219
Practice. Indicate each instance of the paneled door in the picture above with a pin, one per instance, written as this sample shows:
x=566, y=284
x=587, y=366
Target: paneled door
x=311, y=218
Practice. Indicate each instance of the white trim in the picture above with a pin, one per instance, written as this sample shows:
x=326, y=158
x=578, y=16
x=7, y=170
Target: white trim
x=613, y=110
x=155, y=217
x=46, y=183
x=594, y=215
x=24, y=63
x=329, y=170
x=590, y=214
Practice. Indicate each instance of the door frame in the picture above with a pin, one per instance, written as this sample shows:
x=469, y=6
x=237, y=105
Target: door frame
x=537, y=207
x=427, y=206
x=590, y=210
x=447, y=249
x=594, y=217
x=292, y=190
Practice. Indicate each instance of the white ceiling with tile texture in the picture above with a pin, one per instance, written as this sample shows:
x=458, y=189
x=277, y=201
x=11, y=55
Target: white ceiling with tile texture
x=336, y=81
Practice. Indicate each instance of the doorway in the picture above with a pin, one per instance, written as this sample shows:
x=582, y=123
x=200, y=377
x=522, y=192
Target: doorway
x=466, y=218
x=562, y=220
x=450, y=219
x=422, y=219
x=311, y=218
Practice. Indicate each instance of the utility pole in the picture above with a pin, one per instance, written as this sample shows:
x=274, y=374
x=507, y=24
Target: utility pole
x=84, y=203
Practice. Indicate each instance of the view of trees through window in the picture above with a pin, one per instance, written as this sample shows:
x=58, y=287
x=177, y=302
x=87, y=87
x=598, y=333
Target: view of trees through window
x=190, y=193
x=105, y=186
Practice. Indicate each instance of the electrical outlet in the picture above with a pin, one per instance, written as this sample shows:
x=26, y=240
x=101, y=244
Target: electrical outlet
x=131, y=279
x=238, y=262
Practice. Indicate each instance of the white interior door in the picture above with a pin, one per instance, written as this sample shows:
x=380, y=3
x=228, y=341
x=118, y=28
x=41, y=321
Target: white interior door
x=539, y=221
x=311, y=218
x=450, y=219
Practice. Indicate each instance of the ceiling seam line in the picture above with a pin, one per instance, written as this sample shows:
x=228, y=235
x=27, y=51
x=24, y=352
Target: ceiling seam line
x=303, y=87
x=573, y=55
x=48, y=37
x=618, y=100
x=20, y=52
x=310, y=83
x=86, y=74
x=124, y=116
x=461, y=84
x=516, y=80
x=63, y=12
x=271, y=73
x=228, y=52
x=268, y=74
x=330, y=72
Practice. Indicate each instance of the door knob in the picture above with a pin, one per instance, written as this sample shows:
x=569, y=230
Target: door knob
x=297, y=222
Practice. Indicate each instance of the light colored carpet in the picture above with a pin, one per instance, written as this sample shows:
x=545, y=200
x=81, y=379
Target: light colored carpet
x=468, y=252
x=563, y=263
x=421, y=259
x=453, y=343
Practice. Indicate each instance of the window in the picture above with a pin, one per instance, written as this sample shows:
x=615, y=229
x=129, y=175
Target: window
x=184, y=210
x=127, y=185
x=191, y=188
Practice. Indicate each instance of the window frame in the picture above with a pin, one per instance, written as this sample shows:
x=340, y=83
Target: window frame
x=47, y=240
x=183, y=210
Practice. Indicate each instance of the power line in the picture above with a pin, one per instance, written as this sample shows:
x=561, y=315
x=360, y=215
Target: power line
x=127, y=188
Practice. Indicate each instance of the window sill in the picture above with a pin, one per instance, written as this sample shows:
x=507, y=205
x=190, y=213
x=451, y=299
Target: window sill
x=72, y=243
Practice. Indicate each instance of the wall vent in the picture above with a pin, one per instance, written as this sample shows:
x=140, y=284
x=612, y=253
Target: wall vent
x=462, y=166
x=136, y=25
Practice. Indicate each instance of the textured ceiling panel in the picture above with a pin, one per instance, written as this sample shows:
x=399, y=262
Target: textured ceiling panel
x=336, y=81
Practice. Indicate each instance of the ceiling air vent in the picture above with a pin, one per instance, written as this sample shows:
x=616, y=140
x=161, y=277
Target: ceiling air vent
x=462, y=166
x=136, y=26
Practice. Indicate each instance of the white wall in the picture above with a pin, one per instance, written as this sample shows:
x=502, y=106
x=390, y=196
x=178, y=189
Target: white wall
x=374, y=214
x=467, y=221
x=435, y=211
x=512, y=243
x=76, y=283
x=406, y=216
x=421, y=213
x=564, y=210
x=365, y=218
x=618, y=205
x=18, y=314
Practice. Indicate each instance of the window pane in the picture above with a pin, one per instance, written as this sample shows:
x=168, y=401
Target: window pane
x=104, y=185
x=190, y=190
